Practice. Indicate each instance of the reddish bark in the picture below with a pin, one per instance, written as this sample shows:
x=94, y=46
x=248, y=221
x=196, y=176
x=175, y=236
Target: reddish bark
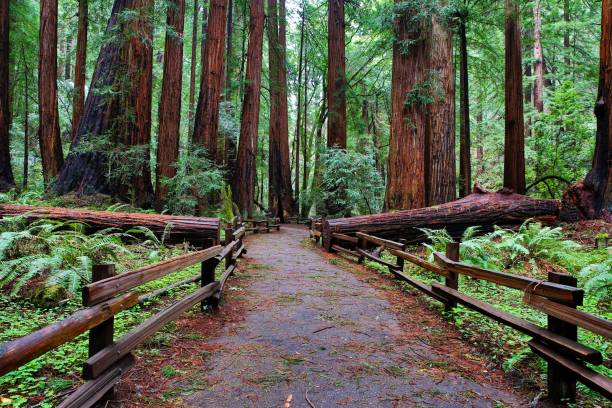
x=249, y=124
x=194, y=64
x=207, y=113
x=80, y=67
x=406, y=163
x=336, y=75
x=514, y=147
x=440, y=170
x=7, y=180
x=48, y=131
x=538, y=58
x=593, y=196
x=298, y=122
x=170, y=103
x=465, y=159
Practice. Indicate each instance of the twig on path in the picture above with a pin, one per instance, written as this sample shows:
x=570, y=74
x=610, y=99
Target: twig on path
x=288, y=402
x=323, y=328
x=309, y=401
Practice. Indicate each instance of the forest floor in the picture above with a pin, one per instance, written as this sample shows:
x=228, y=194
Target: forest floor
x=301, y=328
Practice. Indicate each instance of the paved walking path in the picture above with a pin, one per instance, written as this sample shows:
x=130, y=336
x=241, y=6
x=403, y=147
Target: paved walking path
x=322, y=333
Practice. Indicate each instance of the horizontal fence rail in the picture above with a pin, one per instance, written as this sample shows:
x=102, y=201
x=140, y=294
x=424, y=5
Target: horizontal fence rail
x=108, y=295
x=557, y=297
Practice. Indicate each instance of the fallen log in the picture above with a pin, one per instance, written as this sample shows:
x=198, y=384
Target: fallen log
x=197, y=230
x=480, y=208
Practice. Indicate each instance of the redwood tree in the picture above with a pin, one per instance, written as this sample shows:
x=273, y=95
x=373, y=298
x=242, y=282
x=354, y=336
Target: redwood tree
x=249, y=124
x=465, y=159
x=80, y=67
x=194, y=63
x=336, y=75
x=514, y=151
x=114, y=130
x=538, y=58
x=6, y=172
x=168, y=136
x=406, y=165
x=207, y=113
x=48, y=131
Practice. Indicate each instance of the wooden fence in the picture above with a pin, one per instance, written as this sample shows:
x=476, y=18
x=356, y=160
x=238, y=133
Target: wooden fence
x=110, y=293
x=558, y=297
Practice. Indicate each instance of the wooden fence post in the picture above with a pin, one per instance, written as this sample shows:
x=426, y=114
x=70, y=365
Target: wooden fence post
x=102, y=335
x=208, y=277
x=561, y=383
x=400, y=261
x=229, y=235
x=452, y=253
x=361, y=244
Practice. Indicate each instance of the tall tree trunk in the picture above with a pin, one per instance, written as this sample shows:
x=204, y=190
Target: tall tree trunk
x=205, y=11
x=567, y=18
x=298, y=122
x=227, y=96
x=336, y=75
x=306, y=144
x=48, y=131
x=440, y=177
x=465, y=155
x=593, y=196
x=114, y=131
x=514, y=146
x=280, y=196
x=168, y=137
x=207, y=114
x=7, y=180
x=67, y=67
x=80, y=67
x=246, y=165
x=538, y=58
x=316, y=177
x=194, y=64
x=26, y=122
x=406, y=162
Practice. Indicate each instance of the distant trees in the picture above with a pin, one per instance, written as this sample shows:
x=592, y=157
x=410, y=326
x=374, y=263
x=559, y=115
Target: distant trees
x=514, y=150
x=465, y=154
x=245, y=171
x=48, y=131
x=80, y=66
x=538, y=58
x=168, y=136
x=6, y=172
x=336, y=75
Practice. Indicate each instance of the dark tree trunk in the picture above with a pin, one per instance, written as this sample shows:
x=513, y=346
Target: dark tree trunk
x=298, y=122
x=593, y=196
x=170, y=103
x=119, y=121
x=280, y=196
x=48, y=131
x=465, y=156
x=307, y=142
x=514, y=150
x=80, y=67
x=538, y=58
x=194, y=64
x=480, y=208
x=406, y=162
x=440, y=177
x=246, y=169
x=336, y=76
x=7, y=181
x=207, y=114
x=26, y=121
x=225, y=146
x=205, y=8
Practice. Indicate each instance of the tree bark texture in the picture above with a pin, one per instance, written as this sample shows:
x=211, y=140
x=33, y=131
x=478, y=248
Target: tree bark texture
x=121, y=119
x=168, y=137
x=406, y=162
x=538, y=58
x=440, y=173
x=194, y=64
x=593, y=195
x=336, y=75
x=249, y=124
x=183, y=228
x=48, y=132
x=207, y=114
x=465, y=155
x=80, y=67
x=478, y=209
x=7, y=180
x=280, y=195
x=298, y=122
x=514, y=146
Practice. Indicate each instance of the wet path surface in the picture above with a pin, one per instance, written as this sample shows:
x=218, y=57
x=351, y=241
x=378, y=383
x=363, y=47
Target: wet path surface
x=320, y=335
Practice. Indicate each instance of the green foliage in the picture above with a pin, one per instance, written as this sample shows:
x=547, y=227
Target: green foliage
x=196, y=177
x=597, y=279
x=351, y=183
x=425, y=92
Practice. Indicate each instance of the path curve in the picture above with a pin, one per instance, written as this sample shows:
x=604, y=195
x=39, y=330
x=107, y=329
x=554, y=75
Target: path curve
x=317, y=334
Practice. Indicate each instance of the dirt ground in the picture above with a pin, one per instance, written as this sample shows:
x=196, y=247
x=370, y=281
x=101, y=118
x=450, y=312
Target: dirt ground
x=301, y=328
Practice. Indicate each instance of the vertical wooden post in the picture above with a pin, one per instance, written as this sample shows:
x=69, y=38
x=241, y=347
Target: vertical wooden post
x=208, y=276
x=363, y=245
x=452, y=253
x=229, y=235
x=400, y=261
x=102, y=335
x=561, y=383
